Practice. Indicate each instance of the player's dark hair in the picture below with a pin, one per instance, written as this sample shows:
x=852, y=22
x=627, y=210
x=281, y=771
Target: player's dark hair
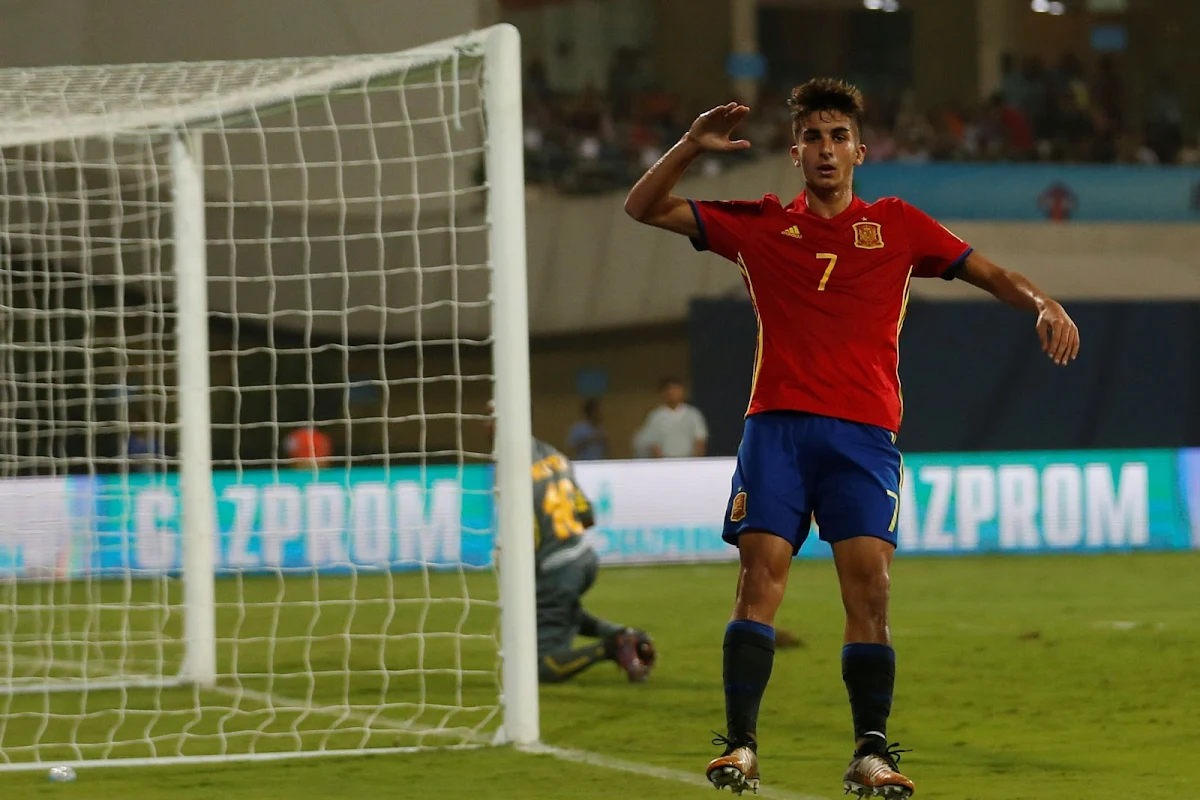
x=591, y=406
x=670, y=380
x=826, y=94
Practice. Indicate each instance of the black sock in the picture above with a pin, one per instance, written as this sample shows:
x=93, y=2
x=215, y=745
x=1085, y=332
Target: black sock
x=749, y=653
x=869, y=671
x=559, y=666
x=597, y=628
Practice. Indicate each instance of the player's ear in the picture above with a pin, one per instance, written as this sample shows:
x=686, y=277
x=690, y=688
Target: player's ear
x=860, y=155
x=796, y=155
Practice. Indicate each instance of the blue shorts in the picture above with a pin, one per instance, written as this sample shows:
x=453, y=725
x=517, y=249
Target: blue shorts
x=792, y=467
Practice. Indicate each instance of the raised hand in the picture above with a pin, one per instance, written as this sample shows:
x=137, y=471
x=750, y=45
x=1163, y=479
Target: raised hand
x=711, y=129
x=1058, y=333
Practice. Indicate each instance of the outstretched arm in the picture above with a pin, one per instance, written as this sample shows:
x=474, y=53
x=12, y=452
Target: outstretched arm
x=1056, y=330
x=650, y=200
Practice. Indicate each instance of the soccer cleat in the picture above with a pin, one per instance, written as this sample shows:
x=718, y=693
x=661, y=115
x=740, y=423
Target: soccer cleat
x=737, y=768
x=875, y=774
x=626, y=648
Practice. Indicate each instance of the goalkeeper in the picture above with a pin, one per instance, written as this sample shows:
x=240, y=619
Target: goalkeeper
x=566, y=568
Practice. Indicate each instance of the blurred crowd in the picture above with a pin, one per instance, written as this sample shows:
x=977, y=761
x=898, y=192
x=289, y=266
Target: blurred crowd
x=600, y=139
x=1039, y=113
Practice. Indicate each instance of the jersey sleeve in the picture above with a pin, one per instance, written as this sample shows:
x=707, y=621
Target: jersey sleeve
x=936, y=252
x=725, y=225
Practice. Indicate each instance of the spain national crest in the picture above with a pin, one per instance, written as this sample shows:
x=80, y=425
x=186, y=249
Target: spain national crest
x=738, y=512
x=868, y=235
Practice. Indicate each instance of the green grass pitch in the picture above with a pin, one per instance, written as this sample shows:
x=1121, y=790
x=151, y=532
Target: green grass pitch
x=1018, y=677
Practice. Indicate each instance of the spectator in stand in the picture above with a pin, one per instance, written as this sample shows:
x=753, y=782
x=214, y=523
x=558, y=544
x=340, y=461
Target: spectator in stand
x=309, y=448
x=675, y=429
x=1033, y=97
x=587, y=440
x=1107, y=111
x=1016, y=134
x=1076, y=99
x=1016, y=85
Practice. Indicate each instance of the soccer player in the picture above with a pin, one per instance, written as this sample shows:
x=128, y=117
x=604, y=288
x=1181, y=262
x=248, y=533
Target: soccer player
x=566, y=568
x=828, y=275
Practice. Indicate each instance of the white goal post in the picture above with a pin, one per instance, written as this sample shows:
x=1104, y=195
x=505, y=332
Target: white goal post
x=252, y=504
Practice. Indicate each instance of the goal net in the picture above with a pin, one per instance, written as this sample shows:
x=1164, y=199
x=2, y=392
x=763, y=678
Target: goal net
x=251, y=314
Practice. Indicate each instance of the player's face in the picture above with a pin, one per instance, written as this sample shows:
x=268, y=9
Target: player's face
x=828, y=150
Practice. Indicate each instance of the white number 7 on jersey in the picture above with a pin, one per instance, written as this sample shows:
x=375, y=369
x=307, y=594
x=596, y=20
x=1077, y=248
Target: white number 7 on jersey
x=832, y=259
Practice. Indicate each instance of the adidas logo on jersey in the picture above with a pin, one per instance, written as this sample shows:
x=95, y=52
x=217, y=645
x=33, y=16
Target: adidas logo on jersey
x=793, y=232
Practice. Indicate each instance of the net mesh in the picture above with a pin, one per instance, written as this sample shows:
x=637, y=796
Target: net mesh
x=349, y=328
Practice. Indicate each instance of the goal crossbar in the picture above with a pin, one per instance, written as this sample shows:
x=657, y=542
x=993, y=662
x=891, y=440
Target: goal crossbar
x=36, y=114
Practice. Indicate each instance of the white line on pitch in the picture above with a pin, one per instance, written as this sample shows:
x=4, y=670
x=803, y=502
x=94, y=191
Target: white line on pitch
x=646, y=770
x=576, y=756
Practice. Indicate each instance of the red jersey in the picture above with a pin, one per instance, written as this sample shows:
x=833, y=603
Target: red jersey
x=830, y=296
